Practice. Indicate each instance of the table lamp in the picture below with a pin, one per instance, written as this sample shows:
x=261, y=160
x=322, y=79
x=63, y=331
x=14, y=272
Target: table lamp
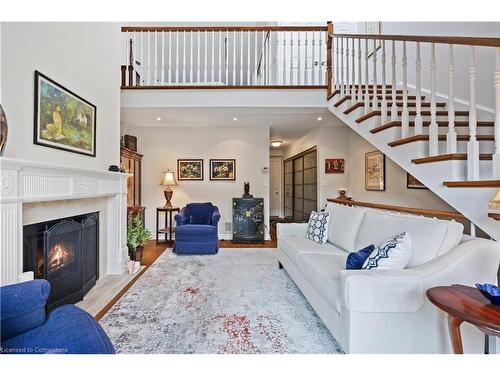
x=167, y=181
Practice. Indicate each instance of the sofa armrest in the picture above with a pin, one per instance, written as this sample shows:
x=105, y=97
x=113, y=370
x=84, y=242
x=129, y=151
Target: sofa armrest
x=403, y=291
x=291, y=229
x=22, y=307
x=215, y=217
x=181, y=218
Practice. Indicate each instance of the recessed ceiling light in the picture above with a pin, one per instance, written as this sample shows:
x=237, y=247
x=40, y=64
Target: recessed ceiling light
x=276, y=143
x=235, y=118
x=319, y=118
x=158, y=119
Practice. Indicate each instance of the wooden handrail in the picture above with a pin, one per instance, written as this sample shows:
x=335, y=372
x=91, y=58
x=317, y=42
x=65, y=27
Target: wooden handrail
x=458, y=40
x=408, y=210
x=222, y=28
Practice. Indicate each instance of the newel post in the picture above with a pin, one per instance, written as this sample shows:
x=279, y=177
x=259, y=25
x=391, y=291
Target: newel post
x=496, y=155
x=329, y=42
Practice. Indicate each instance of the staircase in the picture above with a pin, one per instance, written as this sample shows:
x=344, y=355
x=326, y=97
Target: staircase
x=450, y=146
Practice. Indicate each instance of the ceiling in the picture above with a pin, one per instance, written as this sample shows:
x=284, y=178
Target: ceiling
x=287, y=124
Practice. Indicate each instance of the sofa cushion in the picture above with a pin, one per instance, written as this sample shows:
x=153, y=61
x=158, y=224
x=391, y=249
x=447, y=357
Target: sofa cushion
x=323, y=272
x=430, y=237
x=344, y=226
x=195, y=232
x=293, y=246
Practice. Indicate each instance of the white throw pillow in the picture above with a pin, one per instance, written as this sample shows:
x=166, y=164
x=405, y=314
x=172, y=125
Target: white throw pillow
x=394, y=253
x=317, y=228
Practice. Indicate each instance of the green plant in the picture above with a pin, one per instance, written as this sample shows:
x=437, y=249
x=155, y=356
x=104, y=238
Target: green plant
x=137, y=235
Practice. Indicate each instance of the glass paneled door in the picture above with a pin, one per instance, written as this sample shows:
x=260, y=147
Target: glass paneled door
x=300, y=180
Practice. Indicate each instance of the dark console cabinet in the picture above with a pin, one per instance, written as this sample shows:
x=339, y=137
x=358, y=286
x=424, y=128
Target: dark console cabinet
x=248, y=220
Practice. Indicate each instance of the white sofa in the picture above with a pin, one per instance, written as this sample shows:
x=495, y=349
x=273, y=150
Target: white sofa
x=386, y=311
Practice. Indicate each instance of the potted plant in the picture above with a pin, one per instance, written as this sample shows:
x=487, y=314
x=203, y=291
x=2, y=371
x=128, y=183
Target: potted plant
x=137, y=236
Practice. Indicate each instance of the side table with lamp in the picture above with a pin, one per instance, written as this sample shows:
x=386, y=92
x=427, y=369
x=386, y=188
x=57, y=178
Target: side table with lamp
x=167, y=180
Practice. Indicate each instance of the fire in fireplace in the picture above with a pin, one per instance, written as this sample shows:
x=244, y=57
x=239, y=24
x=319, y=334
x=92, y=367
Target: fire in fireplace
x=65, y=253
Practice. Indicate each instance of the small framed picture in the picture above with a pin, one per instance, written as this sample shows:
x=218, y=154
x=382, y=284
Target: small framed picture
x=375, y=171
x=413, y=183
x=334, y=165
x=189, y=169
x=222, y=169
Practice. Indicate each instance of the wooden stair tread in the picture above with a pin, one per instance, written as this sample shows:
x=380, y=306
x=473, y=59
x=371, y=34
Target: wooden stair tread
x=473, y=184
x=446, y=157
x=494, y=215
x=441, y=137
x=411, y=113
x=441, y=124
x=389, y=104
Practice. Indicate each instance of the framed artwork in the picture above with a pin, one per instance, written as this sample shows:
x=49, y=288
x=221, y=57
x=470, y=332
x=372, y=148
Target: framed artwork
x=222, y=169
x=334, y=165
x=413, y=183
x=375, y=171
x=189, y=169
x=63, y=120
x=373, y=28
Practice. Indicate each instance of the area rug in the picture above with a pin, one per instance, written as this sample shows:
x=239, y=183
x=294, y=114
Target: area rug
x=236, y=301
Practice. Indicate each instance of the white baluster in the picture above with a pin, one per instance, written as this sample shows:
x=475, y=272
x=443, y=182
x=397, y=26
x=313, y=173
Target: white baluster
x=375, y=81
x=367, y=79
x=206, y=57
x=184, y=80
x=418, y=103
x=284, y=58
x=451, y=137
x=360, y=77
x=383, y=108
x=163, y=58
x=496, y=155
x=337, y=65
x=394, y=107
x=320, y=58
x=306, y=70
x=198, y=73
x=169, y=56
x=473, y=144
x=241, y=58
x=191, y=57
x=149, y=61
x=313, y=59
x=353, y=69
x=256, y=38
x=177, y=57
x=220, y=56
x=347, y=86
x=405, y=121
x=342, y=91
x=248, y=58
x=156, y=59
x=213, y=56
x=433, y=127
x=292, y=75
x=134, y=82
x=142, y=57
x=127, y=58
x=234, y=58
x=226, y=56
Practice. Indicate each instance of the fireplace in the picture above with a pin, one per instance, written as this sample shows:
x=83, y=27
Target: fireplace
x=65, y=252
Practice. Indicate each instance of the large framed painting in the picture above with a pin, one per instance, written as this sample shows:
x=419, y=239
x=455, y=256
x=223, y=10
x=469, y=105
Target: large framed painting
x=375, y=171
x=63, y=120
x=222, y=169
x=413, y=183
x=334, y=165
x=189, y=169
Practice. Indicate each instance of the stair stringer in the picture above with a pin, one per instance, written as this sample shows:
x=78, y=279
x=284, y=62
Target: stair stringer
x=470, y=202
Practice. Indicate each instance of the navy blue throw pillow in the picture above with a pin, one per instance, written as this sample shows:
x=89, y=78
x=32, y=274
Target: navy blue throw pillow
x=199, y=220
x=355, y=260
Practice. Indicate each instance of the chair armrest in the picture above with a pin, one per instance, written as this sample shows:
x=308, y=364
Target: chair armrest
x=23, y=307
x=291, y=229
x=181, y=218
x=215, y=217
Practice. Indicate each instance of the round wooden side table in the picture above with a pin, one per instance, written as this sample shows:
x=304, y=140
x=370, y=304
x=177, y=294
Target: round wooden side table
x=465, y=304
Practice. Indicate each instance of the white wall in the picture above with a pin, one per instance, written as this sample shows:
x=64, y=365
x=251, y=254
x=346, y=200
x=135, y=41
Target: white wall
x=162, y=147
x=83, y=57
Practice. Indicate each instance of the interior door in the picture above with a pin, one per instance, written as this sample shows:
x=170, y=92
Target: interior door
x=275, y=186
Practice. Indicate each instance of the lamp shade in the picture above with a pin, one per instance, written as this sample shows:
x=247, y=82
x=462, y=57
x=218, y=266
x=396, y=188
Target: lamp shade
x=168, y=179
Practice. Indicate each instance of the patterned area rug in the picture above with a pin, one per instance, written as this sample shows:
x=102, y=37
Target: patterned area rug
x=237, y=301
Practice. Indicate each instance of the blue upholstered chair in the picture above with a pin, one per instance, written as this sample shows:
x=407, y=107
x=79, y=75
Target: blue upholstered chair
x=26, y=329
x=196, y=230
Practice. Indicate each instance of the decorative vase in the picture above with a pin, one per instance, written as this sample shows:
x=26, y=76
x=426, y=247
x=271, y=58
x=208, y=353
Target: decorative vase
x=3, y=130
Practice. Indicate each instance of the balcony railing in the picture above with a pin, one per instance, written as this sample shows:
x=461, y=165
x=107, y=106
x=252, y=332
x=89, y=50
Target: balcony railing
x=225, y=57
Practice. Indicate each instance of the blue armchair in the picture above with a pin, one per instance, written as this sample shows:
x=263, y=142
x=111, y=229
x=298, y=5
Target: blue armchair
x=196, y=230
x=25, y=329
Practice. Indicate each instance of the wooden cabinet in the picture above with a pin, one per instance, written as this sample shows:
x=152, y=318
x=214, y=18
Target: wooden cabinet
x=131, y=162
x=248, y=220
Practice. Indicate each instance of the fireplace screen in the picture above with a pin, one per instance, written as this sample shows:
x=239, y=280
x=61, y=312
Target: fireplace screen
x=65, y=253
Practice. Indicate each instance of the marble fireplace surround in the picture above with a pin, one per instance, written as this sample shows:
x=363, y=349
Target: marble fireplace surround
x=32, y=192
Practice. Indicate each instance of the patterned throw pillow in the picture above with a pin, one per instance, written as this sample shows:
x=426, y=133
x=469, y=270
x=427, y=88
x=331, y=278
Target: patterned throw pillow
x=317, y=228
x=394, y=253
x=356, y=259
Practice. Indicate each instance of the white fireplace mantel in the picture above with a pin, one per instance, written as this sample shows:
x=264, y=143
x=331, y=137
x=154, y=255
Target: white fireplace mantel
x=23, y=182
